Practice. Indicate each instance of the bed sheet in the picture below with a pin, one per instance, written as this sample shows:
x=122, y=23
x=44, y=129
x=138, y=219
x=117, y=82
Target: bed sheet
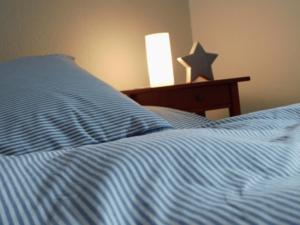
x=243, y=170
x=180, y=119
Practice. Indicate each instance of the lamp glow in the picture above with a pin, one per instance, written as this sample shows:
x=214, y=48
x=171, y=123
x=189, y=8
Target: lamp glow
x=159, y=59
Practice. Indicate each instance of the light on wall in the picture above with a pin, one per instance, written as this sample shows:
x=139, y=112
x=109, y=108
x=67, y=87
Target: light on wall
x=159, y=59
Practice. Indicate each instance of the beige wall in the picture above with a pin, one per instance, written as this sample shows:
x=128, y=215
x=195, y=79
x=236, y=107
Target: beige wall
x=256, y=37
x=105, y=36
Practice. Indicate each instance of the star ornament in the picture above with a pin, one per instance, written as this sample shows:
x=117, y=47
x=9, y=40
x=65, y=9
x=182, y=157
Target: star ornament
x=198, y=63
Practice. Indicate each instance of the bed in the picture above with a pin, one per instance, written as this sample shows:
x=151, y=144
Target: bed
x=75, y=151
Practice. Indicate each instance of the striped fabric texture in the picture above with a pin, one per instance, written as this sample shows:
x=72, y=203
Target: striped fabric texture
x=180, y=119
x=284, y=116
x=231, y=174
x=48, y=103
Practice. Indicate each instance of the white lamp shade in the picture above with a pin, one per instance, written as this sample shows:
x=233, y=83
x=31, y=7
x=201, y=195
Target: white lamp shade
x=159, y=59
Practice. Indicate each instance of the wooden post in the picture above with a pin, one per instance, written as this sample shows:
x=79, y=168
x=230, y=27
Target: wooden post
x=234, y=109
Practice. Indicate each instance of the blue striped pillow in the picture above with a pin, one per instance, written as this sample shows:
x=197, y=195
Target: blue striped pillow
x=48, y=103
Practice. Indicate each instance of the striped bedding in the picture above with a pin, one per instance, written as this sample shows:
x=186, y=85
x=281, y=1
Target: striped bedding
x=50, y=102
x=180, y=119
x=243, y=170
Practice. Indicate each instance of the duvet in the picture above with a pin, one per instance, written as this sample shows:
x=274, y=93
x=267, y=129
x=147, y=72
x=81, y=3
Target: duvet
x=241, y=170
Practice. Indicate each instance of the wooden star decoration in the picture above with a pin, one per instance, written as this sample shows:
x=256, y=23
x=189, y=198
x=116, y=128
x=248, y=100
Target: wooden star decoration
x=198, y=63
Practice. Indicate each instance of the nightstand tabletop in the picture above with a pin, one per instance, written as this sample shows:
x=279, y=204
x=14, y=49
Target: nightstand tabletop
x=193, y=97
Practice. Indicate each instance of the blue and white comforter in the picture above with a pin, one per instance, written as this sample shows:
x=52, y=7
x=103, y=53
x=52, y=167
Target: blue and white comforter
x=243, y=170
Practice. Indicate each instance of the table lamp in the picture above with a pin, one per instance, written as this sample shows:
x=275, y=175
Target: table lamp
x=159, y=59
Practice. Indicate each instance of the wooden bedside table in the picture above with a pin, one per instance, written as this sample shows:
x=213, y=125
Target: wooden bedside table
x=193, y=97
